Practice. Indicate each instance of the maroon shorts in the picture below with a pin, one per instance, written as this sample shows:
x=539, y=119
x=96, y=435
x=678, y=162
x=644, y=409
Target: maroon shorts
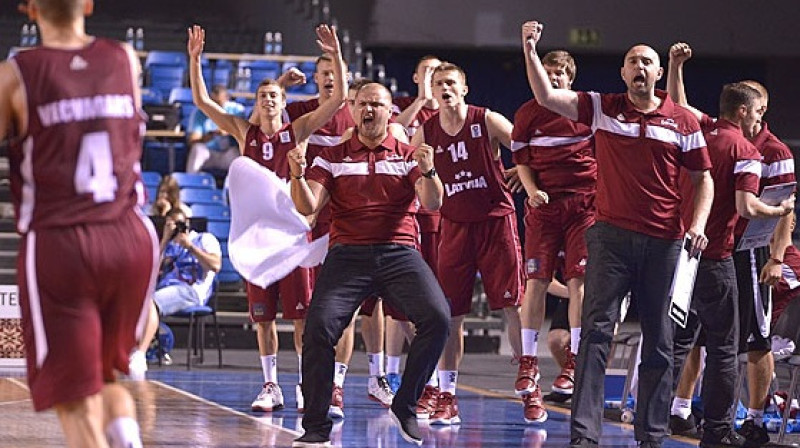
x=84, y=291
x=491, y=247
x=558, y=225
x=293, y=291
x=368, y=307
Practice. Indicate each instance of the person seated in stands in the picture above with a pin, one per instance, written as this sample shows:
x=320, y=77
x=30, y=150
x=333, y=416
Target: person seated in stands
x=210, y=147
x=786, y=309
x=189, y=262
x=168, y=197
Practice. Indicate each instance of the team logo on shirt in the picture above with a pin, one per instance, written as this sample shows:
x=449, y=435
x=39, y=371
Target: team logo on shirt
x=669, y=122
x=582, y=263
x=538, y=132
x=253, y=143
x=475, y=130
x=284, y=136
x=78, y=63
x=507, y=295
x=347, y=159
x=532, y=265
x=621, y=117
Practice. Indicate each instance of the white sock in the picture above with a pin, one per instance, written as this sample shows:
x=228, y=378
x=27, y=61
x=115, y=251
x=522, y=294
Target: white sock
x=448, y=380
x=269, y=365
x=375, y=364
x=393, y=364
x=123, y=432
x=756, y=415
x=530, y=341
x=299, y=369
x=434, y=379
x=339, y=371
x=575, y=339
x=682, y=407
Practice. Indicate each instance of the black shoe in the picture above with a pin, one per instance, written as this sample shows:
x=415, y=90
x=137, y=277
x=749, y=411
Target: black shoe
x=650, y=444
x=408, y=427
x=686, y=427
x=581, y=442
x=309, y=440
x=726, y=439
x=755, y=435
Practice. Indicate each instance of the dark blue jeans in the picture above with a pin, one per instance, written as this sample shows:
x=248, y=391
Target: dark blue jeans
x=715, y=309
x=399, y=275
x=621, y=260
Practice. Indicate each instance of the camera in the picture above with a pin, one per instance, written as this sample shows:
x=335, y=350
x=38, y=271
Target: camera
x=180, y=227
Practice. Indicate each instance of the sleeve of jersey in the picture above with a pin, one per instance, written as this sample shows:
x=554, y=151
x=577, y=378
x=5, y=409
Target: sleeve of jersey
x=707, y=124
x=520, y=148
x=586, y=107
x=778, y=165
x=321, y=171
x=747, y=174
x=210, y=244
x=693, y=148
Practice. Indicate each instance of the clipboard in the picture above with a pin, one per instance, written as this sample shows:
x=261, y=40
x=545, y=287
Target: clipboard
x=759, y=231
x=680, y=291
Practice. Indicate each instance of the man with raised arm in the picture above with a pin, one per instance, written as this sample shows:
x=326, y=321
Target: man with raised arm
x=268, y=143
x=371, y=182
x=642, y=141
x=756, y=269
x=87, y=260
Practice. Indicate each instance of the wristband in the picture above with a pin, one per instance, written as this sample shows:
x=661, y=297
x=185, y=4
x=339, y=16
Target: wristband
x=430, y=173
x=775, y=260
x=302, y=176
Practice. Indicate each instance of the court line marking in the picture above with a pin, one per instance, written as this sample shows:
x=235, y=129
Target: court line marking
x=19, y=383
x=225, y=408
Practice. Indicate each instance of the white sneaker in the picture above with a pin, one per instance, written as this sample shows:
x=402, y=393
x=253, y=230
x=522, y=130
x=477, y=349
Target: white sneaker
x=378, y=389
x=137, y=366
x=269, y=399
x=298, y=390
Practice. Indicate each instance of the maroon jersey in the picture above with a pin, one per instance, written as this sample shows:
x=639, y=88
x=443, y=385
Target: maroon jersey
x=639, y=156
x=786, y=290
x=474, y=187
x=324, y=137
x=558, y=150
x=270, y=150
x=735, y=166
x=403, y=102
x=372, y=195
x=777, y=165
x=79, y=162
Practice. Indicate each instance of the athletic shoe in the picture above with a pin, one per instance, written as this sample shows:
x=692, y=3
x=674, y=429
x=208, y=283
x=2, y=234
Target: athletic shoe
x=378, y=390
x=527, y=376
x=137, y=366
x=408, y=427
x=686, y=427
x=582, y=442
x=298, y=391
x=446, y=412
x=756, y=435
x=534, y=410
x=394, y=381
x=565, y=381
x=426, y=405
x=269, y=399
x=336, y=409
x=308, y=440
x=726, y=439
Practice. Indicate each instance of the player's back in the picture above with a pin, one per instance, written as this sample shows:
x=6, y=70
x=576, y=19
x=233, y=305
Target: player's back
x=79, y=160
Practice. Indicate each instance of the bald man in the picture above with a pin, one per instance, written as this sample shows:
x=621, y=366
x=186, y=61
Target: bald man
x=642, y=140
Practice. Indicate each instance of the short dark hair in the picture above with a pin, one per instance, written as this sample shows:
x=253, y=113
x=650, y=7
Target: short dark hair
x=735, y=95
x=60, y=12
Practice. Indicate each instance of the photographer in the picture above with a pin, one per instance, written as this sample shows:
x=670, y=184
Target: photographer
x=189, y=262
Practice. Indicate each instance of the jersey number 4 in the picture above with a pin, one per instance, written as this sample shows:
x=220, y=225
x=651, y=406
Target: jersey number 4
x=95, y=170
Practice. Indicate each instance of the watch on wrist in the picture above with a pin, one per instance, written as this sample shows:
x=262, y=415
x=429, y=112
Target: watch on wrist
x=430, y=173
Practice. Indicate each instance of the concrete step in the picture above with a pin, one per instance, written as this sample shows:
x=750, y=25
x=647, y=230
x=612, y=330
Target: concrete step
x=8, y=259
x=9, y=241
x=8, y=276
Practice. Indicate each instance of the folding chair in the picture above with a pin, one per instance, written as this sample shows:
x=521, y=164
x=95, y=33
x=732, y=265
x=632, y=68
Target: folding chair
x=195, y=342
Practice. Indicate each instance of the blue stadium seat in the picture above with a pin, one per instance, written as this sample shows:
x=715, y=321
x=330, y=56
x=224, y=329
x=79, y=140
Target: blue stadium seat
x=166, y=58
x=260, y=70
x=164, y=156
x=219, y=229
x=180, y=95
x=201, y=196
x=222, y=72
x=151, y=178
x=195, y=180
x=212, y=212
x=227, y=273
x=152, y=96
x=165, y=78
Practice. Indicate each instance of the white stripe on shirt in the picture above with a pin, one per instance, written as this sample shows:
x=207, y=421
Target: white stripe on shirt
x=747, y=166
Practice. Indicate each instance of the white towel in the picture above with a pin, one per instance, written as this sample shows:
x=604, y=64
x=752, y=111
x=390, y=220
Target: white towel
x=268, y=237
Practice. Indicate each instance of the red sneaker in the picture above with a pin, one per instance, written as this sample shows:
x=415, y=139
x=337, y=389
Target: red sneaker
x=446, y=410
x=534, y=410
x=565, y=381
x=426, y=404
x=527, y=376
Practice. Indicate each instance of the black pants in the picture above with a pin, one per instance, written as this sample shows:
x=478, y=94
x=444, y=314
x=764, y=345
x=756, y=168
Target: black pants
x=715, y=301
x=621, y=260
x=399, y=275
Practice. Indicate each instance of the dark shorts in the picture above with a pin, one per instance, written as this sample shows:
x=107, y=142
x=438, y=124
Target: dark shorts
x=754, y=299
